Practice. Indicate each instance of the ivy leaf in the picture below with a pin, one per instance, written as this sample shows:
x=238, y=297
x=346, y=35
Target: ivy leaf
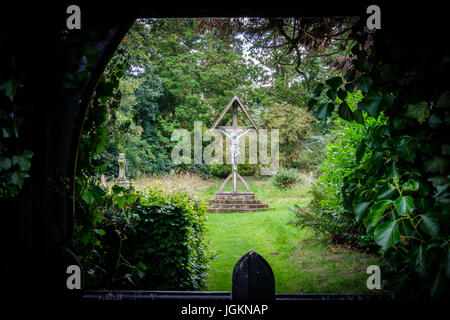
x=120, y=201
x=98, y=194
x=436, y=164
x=360, y=151
x=406, y=149
x=404, y=205
x=377, y=210
x=393, y=172
x=318, y=90
x=399, y=123
x=440, y=189
x=85, y=238
x=436, y=180
x=447, y=264
x=23, y=162
x=444, y=100
x=334, y=83
x=435, y=121
x=5, y=164
x=445, y=149
x=430, y=224
x=10, y=87
x=363, y=83
x=360, y=211
x=387, y=234
x=324, y=111
x=140, y=265
x=438, y=284
x=312, y=102
x=420, y=265
x=6, y=132
x=443, y=200
x=386, y=192
x=88, y=197
x=387, y=101
x=358, y=117
x=419, y=111
x=332, y=94
x=342, y=94
x=350, y=75
x=345, y=112
x=27, y=154
x=370, y=103
x=17, y=178
x=410, y=185
x=117, y=189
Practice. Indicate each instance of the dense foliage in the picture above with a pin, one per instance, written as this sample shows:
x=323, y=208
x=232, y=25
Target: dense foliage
x=15, y=160
x=326, y=213
x=295, y=124
x=400, y=191
x=177, y=72
x=398, y=186
x=106, y=236
x=174, y=76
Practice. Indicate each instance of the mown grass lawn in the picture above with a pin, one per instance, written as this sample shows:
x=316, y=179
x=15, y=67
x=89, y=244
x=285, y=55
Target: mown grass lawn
x=300, y=263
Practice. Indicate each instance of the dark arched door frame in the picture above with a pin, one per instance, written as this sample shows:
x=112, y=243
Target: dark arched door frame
x=53, y=125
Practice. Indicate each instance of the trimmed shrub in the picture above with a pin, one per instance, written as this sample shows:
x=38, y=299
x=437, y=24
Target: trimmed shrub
x=220, y=170
x=285, y=178
x=224, y=170
x=152, y=240
x=247, y=169
x=168, y=241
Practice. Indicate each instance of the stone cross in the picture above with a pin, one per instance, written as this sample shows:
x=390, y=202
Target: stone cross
x=234, y=134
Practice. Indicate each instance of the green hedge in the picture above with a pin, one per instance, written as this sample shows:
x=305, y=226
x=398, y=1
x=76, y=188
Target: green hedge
x=168, y=240
x=151, y=240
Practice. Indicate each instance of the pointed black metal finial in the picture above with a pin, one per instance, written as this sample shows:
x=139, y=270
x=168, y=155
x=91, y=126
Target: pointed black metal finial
x=253, y=279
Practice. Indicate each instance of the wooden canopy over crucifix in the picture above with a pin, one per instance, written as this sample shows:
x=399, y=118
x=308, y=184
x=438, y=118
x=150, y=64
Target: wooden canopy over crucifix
x=234, y=132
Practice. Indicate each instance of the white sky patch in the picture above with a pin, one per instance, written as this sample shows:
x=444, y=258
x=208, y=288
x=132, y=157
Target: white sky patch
x=249, y=60
x=135, y=70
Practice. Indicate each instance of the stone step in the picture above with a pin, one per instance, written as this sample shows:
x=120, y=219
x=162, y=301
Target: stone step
x=219, y=210
x=236, y=202
x=241, y=206
x=235, y=195
x=215, y=201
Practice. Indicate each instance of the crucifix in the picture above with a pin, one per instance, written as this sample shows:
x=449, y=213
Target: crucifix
x=234, y=132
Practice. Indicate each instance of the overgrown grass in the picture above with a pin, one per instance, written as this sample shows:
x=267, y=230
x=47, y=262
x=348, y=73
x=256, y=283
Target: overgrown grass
x=300, y=263
x=185, y=182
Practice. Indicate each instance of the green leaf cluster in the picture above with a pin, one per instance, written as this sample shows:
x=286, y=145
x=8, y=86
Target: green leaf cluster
x=398, y=187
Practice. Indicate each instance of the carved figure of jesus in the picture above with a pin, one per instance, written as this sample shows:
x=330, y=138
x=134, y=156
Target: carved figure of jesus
x=234, y=146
